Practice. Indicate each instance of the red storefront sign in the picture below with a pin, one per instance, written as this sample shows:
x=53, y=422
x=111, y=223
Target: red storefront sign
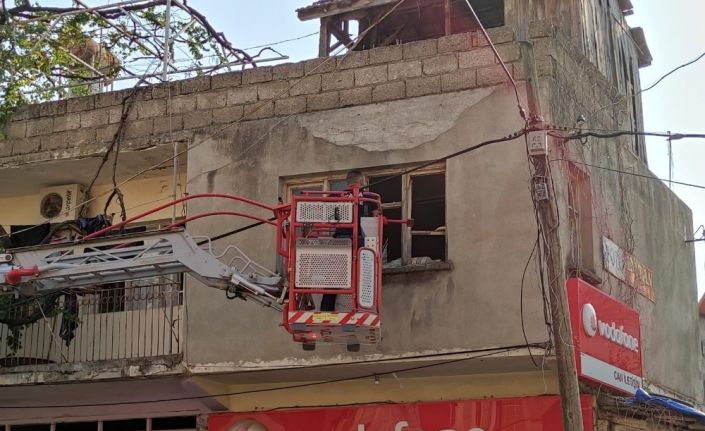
x=506, y=414
x=606, y=336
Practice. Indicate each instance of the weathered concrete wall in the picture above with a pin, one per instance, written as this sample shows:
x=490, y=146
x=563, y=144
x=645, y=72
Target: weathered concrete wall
x=430, y=311
x=641, y=215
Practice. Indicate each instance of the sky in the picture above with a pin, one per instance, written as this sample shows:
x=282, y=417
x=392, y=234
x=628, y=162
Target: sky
x=674, y=33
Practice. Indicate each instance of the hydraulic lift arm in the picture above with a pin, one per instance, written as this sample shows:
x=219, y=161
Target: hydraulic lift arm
x=44, y=269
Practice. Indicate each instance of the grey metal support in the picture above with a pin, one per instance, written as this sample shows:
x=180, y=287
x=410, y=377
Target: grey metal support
x=129, y=257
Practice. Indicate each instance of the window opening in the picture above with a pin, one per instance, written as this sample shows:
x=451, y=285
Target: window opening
x=428, y=211
x=420, y=195
x=580, y=214
x=390, y=190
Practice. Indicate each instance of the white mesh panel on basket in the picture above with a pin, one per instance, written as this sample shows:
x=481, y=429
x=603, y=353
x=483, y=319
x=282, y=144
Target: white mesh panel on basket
x=366, y=279
x=324, y=212
x=323, y=263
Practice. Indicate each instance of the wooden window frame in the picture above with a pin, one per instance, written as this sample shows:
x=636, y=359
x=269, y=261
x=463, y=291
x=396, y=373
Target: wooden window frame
x=324, y=180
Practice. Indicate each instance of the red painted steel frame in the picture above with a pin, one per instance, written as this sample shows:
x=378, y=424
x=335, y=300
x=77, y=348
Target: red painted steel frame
x=356, y=197
x=177, y=201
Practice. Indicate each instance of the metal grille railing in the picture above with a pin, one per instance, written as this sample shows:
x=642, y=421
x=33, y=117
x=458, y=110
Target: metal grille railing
x=137, y=319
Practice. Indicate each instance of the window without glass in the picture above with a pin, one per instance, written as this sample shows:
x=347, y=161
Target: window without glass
x=418, y=195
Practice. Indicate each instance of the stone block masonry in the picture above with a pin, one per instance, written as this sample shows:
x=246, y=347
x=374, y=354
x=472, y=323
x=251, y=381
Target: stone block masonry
x=415, y=69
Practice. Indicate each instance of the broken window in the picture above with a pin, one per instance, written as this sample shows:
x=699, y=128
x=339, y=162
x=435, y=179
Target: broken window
x=428, y=197
x=418, y=195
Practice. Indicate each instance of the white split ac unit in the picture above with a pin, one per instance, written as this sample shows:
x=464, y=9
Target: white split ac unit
x=58, y=204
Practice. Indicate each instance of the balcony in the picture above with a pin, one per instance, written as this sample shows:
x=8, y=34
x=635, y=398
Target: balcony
x=127, y=322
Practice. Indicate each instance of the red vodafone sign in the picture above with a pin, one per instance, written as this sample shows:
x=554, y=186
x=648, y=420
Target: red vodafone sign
x=525, y=414
x=606, y=336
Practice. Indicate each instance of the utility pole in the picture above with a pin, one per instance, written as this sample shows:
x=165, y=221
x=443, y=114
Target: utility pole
x=545, y=202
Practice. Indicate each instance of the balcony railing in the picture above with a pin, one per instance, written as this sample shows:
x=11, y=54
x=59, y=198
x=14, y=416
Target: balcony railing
x=138, y=319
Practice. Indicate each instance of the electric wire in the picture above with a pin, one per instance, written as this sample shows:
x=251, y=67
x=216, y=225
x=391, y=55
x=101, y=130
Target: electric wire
x=619, y=171
x=485, y=352
x=595, y=133
x=470, y=149
x=282, y=41
x=522, y=111
x=671, y=72
x=521, y=299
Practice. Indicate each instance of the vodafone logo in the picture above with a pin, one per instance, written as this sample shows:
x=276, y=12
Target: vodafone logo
x=611, y=331
x=589, y=320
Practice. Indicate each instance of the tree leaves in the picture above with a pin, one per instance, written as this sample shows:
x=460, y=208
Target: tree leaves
x=37, y=43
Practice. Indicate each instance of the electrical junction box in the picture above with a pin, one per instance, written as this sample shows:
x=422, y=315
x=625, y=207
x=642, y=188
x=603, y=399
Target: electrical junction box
x=538, y=143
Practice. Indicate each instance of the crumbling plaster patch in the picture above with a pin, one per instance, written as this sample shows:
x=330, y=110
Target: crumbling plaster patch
x=369, y=128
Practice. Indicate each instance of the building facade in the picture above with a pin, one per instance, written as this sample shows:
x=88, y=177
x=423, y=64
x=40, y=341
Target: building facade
x=464, y=313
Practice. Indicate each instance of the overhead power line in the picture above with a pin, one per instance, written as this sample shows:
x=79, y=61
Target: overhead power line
x=605, y=133
x=522, y=111
x=671, y=72
x=282, y=41
x=634, y=174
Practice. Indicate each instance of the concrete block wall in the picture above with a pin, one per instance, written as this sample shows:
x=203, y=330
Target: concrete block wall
x=83, y=126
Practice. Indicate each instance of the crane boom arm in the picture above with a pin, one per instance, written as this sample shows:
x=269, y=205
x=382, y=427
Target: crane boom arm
x=43, y=269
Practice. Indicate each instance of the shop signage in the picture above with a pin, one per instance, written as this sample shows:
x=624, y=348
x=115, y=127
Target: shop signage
x=606, y=336
x=526, y=414
x=627, y=268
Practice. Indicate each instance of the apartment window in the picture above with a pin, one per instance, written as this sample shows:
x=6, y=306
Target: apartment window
x=580, y=215
x=419, y=195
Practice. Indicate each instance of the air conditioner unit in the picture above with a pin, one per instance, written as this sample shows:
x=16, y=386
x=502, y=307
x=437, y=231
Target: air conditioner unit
x=59, y=204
